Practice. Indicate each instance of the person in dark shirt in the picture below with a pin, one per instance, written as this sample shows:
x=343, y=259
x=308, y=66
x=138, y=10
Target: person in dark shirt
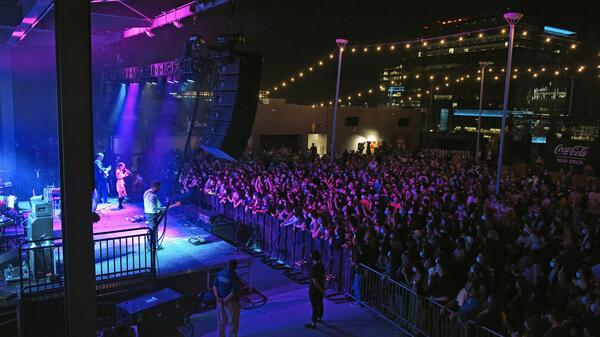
x=226, y=288
x=316, y=289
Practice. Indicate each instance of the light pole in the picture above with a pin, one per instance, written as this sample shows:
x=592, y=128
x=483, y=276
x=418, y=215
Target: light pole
x=341, y=43
x=483, y=65
x=512, y=18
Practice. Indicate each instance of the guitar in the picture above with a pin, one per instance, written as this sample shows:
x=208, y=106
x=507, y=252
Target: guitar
x=106, y=170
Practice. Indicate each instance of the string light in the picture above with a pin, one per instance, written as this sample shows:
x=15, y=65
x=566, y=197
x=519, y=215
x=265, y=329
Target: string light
x=407, y=45
x=424, y=43
x=460, y=38
x=503, y=31
x=320, y=63
x=353, y=50
x=525, y=33
x=573, y=46
x=310, y=68
x=442, y=41
x=301, y=74
x=365, y=49
x=330, y=56
x=378, y=48
x=292, y=79
x=547, y=39
x=392, y=47
x=480, y=35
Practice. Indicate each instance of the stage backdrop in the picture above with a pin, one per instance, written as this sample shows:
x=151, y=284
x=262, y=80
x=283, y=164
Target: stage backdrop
x=565, y=153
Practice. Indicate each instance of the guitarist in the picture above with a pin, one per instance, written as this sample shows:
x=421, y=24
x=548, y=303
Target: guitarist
x=101, y=178
x=153, y=210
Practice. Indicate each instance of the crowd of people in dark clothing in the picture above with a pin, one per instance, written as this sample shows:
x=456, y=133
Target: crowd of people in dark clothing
x=525, y=262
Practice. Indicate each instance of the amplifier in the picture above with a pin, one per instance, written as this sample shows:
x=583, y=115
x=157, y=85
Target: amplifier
x=154, y=314
x=208, y=216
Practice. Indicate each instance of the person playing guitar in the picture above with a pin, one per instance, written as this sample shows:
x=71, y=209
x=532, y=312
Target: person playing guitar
x=101, y=178
x=154, y=212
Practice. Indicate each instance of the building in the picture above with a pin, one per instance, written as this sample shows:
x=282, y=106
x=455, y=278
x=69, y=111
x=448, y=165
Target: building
x=441, y=77
x=279, y=124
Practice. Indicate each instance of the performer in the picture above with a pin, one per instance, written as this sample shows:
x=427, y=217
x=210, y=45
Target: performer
x=122, y=172
x=153, y=210
x=101, y=178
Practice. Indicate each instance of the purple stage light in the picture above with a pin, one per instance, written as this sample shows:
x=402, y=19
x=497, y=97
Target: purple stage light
x=29, y=20
x=18, y=33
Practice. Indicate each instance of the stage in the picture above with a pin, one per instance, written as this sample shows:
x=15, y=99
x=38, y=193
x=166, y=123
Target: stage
x=121, y=249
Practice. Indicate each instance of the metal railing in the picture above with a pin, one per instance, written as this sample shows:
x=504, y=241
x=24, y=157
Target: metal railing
x=118, y=255
x=401, y=306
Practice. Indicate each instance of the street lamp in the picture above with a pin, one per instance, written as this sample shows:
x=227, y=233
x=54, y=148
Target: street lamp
x=341, y=43
x=512, y=18
x=483, y=65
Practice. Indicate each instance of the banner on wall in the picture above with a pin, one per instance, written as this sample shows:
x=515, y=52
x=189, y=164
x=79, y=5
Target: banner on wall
x=567, y=153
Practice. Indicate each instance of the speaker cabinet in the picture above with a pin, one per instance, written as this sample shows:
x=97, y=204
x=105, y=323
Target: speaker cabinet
x=232, y=112
x=155, y=314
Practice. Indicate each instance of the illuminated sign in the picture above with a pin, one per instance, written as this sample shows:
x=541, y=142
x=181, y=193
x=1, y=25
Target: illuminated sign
x=490, y=113
x=542, y=94
x=558, y=31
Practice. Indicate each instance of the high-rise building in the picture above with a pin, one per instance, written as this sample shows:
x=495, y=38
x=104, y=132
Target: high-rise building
x=441, y=76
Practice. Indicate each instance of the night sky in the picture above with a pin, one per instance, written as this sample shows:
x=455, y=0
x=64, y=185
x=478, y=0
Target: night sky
x=292, y=34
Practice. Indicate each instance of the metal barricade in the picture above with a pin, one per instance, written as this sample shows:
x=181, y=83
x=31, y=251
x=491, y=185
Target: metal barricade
x=397, y=303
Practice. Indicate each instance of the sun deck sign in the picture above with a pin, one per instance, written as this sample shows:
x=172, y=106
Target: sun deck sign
x=565, y=153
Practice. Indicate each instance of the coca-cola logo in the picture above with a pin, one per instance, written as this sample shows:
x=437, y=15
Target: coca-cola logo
x=578, y=151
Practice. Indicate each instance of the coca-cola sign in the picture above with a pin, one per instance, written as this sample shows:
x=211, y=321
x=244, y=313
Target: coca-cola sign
x=577, y=151
x=567, y=153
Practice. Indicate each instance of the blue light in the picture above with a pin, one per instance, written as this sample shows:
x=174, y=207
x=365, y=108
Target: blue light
x=191, y=81
x=489, y=113
x=538, y=140
x=558, y=31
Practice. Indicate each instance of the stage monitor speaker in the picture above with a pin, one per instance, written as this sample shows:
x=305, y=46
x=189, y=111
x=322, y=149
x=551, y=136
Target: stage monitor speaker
x=231, y=114
x=155, y=314
x=39, y=228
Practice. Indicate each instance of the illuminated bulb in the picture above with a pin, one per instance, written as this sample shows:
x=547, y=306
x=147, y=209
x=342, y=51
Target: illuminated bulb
x=514, y=77
x=490, y=70
x=437, y=88
x=528, y=70
x=535, y=75
x=313, y=106
x=378, y=48
x=556, y=72
x=283, y=84
x=567, y=68
x=442, y=41
x=292, y=79
x=275, y=88
x=405, y=76
x=516, y=70
x=359, y=94
x=480, y=35
x=354, y=50
x=457, y=80
x=525, y=33
x=468, y=76
x=409, y=98
x=301, y=74
x=310, y=69
x=503, y=31
x=342, y=49
x=431, y=77
x=321, y=104
x=330, y=56
x=479, y=71
x=392, y=47
x=573, y=46
x=462, y=78
x=339, y=100
x=365, y=49
x=495, y=77
x=419, y=95
x=320, y=63
x=446, y=78
x=424, y=43
x=460, y=38
x=349, y=97
x=547, y=39
x=407, y=45
x=447, y=84
x=543, y=69
x=478, y=78
x=417, y=76
x=393, y=82
x=370, y=91
x=427, y=92
x=330, y=102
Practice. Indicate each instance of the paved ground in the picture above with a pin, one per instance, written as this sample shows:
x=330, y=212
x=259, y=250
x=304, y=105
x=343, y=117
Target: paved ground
x=288, y=308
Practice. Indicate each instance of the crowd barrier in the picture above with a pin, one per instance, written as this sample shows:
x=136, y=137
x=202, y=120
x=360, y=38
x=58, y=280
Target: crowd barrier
x=445, y=153
x=396, y=302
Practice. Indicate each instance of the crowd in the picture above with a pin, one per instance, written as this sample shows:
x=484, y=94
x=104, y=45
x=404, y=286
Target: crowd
x=525, y=262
